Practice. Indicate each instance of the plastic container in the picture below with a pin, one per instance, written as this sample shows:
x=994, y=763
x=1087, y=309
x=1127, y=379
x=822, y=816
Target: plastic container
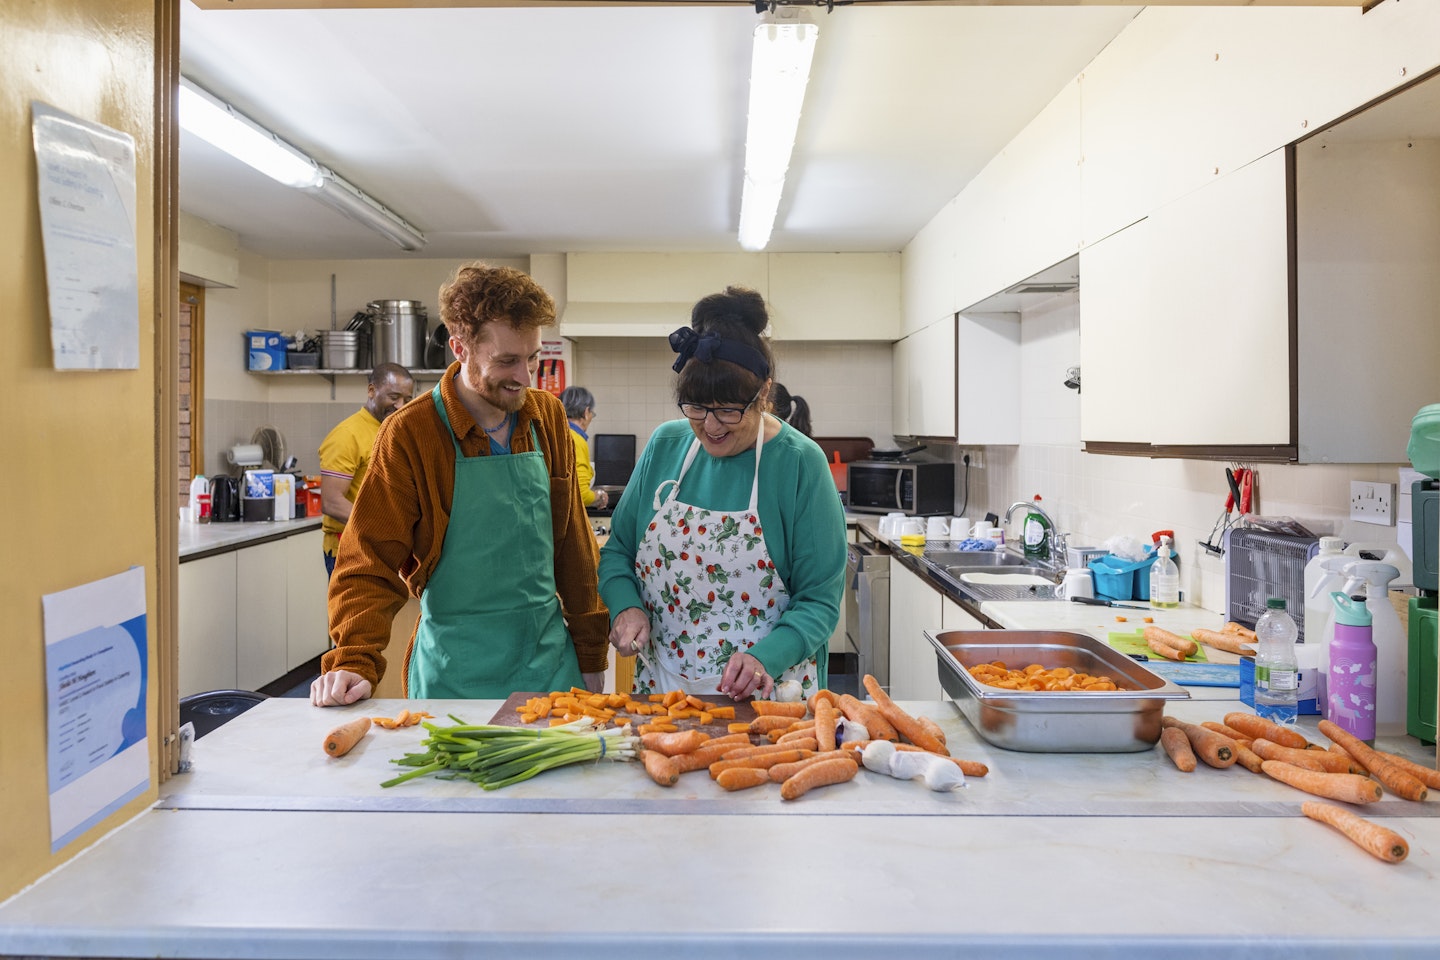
x=199, y=487
x=1164, y=578
x=1120, y=579
x=1277, y=681
x=1350, y=686
x=1424, y=447
x=1035, y=539
x=1320, y=582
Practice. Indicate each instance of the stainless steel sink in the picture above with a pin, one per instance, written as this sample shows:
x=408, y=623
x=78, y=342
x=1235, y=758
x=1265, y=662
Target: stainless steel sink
x=973, y=559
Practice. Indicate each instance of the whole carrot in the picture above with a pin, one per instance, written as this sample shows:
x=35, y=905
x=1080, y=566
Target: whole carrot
x=339, y=741
x=1321, y=760
x=774, y=708
x=821, y=774
x=1177, y=747
x=781, y=772
x=1217, y=751
x=868, y=717
x=1426, y=775
x=1248, y=758
x=1347, y=787
x=819, y=695
x=772, y=722
x=908, y=727
x=1240, y=630
x=971, y=768
x=1374, y=839
x=1159, y=635
x=825, y=717
x=1229, y=642
x=762, y=761
x=1256, y=727
x=674, y=744
x=1381, y=765
x=662, y=769
x=799, y=733
x=736, y=752
x=742, y=778
x=702, y=758
x=933, y=728
x=1225, y=731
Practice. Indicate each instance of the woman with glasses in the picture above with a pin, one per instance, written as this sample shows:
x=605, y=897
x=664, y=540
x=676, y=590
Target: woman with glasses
x=724, y=568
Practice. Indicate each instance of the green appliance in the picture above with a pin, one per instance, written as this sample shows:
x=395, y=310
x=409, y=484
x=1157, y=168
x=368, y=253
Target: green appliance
x=1424, y=650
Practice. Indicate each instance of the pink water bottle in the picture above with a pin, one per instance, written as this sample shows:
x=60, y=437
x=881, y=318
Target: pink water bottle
x=1350, y=694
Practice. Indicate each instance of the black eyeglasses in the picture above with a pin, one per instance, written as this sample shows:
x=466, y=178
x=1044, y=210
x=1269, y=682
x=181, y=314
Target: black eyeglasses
x=726, y=415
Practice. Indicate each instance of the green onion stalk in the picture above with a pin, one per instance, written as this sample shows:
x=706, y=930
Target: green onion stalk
x=494, y=756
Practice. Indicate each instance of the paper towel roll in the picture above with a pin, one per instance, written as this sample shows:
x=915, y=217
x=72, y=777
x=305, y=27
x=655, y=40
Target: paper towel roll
x=245, y=455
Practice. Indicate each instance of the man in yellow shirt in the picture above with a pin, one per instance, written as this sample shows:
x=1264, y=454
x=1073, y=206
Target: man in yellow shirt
x=345, y=451
x=580, y=411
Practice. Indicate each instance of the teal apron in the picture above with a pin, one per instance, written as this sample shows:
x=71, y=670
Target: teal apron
x=490, y=622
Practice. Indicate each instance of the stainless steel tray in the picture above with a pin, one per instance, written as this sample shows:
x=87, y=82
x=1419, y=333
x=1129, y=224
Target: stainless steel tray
x=1109, y=721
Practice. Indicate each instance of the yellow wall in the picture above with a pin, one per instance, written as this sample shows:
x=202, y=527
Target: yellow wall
x=80, y=449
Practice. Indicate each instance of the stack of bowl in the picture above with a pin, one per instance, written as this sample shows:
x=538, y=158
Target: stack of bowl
x=340, y=349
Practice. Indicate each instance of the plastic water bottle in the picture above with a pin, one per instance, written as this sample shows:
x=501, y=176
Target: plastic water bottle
x=1353, y=658
x=1277, y=671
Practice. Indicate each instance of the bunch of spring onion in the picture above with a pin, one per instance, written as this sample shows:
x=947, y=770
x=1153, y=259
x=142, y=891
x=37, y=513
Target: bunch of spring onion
x=495, y=756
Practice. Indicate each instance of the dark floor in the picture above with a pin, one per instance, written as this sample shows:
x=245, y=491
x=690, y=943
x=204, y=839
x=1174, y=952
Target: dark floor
x=843, y=669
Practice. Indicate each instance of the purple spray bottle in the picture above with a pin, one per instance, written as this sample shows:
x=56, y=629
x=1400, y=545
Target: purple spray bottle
x=1350, y=693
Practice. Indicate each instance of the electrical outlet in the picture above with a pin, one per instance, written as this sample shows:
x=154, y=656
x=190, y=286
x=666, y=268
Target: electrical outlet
x=976, y=461
x=1372, y=502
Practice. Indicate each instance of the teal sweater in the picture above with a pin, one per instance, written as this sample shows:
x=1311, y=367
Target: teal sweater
x=800, y=513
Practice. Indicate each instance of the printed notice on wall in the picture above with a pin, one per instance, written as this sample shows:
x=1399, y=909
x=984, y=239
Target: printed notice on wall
x=95, y=680
x=87, y=226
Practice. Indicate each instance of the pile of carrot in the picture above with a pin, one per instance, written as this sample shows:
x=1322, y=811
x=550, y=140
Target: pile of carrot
x=799, y=748
x=565, y=706
x=1350, y=770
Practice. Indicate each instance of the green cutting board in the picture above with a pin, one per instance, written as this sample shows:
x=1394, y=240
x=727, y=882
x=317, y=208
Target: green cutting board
x=1128, y=643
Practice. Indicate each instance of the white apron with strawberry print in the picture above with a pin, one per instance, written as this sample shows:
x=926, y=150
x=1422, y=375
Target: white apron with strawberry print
x=710, y=589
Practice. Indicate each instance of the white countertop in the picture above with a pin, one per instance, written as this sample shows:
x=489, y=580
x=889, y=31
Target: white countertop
x=270, y=849
x=198, y=539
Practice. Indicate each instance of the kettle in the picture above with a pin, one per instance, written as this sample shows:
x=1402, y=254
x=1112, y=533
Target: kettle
x=224, y=500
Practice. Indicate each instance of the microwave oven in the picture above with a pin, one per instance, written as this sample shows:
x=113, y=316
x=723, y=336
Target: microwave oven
x=900, y=486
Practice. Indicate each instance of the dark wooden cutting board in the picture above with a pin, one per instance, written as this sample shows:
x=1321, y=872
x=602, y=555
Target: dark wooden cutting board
x=509, y=716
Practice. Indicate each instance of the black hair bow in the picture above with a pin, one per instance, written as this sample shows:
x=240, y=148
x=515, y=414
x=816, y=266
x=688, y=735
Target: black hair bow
x=708, y=348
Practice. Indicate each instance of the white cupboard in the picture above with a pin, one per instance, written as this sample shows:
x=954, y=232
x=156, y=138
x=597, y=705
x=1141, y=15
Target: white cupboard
x=915, y=607
x=260, y=634
x=923, y=382
x=307, y=624
x=207, y=624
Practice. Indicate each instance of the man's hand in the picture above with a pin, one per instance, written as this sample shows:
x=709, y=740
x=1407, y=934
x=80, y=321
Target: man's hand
x=338, y=688
x=594, y=682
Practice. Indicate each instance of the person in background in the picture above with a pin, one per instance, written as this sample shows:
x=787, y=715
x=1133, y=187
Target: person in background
x=472, y=505
x=726, y=558
x=580, y=411
x=792, y=409
x=345, y=451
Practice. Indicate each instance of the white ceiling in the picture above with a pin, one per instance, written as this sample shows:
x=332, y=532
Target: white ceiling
x=503, y=132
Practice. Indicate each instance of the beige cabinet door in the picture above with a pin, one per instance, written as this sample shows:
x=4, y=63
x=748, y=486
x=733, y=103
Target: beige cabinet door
x=261, y=635
x=914, y=609
x=306, y=623
x=206, y=598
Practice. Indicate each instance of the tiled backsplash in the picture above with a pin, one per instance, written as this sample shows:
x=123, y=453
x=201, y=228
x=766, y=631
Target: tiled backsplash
x=303, y=425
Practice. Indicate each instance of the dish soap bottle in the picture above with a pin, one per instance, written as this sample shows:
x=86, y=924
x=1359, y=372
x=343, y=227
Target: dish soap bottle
x=1164, y=578
x=1350, y=690
x=1036, y=537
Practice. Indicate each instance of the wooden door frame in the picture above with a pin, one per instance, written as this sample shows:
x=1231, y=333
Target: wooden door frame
x=194, y=294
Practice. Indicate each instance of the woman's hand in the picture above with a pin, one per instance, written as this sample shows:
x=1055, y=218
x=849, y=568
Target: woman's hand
x=745, y=676
x=630, y=631
x=602, y=499
x=337, y=688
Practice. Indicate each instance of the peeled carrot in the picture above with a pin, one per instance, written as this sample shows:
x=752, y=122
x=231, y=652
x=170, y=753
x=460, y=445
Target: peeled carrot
x=798, y=734
x=1248, y=758
x=1240, y=630
x=819, y=695
x=742, y=778
x=1154, y=635
x=1378, y=841
x=933, y=727
x=674, y=744
x=1347, y=787
x=339, y=741
x=1177, y=747
x=1426, y=775
x=1225, y=731
x=825, y=717
x=1256, y=727
x=868, y=717
x=774, y=708
x=773, y=722
x=971, y=768
x=900, y=720
x=1220, y=640
x=762, y=761
x=662, y=769
x=1321, y=760
x=1216, y=750
x=745, y=751
x=781, y=772
x=730, y=739
x=1380, y=764
x=700, y=759
x=820, y=775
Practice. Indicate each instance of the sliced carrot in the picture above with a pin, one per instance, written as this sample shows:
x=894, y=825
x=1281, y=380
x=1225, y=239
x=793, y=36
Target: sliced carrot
x=1378, y=841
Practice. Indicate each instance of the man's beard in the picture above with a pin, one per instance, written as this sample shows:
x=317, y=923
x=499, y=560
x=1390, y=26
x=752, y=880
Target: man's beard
x=491, y=390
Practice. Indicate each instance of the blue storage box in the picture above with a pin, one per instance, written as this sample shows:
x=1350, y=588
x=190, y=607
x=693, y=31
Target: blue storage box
x=1120, y=579
x=266, y=349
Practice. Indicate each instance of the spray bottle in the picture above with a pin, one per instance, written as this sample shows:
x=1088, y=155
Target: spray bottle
x=1391, y=661
x=1351, y=697
x=1321, y=580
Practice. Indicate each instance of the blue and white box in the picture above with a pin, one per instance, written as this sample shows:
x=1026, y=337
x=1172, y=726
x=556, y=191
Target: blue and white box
x=259, y=484
x=266, y=349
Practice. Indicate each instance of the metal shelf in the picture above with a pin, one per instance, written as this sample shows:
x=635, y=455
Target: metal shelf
x=325, y=372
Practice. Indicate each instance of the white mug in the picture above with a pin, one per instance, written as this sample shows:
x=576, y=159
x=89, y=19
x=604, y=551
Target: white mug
x=1078, y=582
x=912, y=526
x=937, y=529
x=890, y=525
x=983, y=529
x=959, y=528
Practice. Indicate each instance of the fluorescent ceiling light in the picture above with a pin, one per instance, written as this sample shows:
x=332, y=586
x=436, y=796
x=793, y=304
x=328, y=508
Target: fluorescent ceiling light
x=779, y=71
x=221, y=125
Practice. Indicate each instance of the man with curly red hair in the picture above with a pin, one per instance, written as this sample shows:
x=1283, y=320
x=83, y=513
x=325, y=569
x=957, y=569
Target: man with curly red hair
x=472, y=504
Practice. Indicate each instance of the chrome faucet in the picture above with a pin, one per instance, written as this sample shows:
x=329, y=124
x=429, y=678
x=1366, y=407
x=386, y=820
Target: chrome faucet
x=1051, y=536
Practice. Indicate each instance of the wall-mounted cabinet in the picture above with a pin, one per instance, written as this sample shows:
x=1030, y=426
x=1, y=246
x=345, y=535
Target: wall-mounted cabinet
x=923, y=382
x=959, y=379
